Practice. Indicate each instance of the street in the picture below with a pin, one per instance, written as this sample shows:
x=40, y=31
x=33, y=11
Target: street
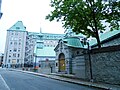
x=13, y=80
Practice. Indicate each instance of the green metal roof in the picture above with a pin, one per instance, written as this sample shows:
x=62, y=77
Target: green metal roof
x=47, y=36
x=73, y=42
x=18, y=26
x=46, y=51
x=105, y=36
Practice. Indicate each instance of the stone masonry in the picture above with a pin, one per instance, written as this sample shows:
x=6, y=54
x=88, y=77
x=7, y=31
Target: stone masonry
x=105, y=66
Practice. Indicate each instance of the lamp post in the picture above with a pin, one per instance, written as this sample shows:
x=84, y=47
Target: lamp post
x=86, y=42
x=35, y=61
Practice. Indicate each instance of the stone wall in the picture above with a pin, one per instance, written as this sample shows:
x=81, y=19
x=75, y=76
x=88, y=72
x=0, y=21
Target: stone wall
x=112, y=42
x=105, y=65
x=78, y=63
x=78, y=67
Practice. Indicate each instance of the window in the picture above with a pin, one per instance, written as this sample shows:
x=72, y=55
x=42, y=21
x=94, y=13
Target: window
x=17, y=60
x=19, y=39
x=16, y=33
x=11, y=43
x=15, y=50
x=12, y=33
x=14, y=54
x=19, y=43
x=15, y=43
x=17, y=27
x=9, y=55
x=39, y=45
x=18, y=55
x=9, y=61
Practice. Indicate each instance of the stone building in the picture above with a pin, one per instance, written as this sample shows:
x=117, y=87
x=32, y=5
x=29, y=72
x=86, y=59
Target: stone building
x=105, y=62
x=69, y=56
x=109, y=38
x=26, y=49
x=14, y=53
x=98, y=65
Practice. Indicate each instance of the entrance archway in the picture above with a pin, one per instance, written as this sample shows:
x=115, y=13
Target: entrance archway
x=62, y=65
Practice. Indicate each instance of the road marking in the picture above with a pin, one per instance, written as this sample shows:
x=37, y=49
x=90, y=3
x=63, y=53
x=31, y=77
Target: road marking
x=5, y=83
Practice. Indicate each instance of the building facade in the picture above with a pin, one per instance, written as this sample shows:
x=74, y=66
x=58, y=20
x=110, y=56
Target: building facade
x=89, y=62
x=30, y=49
x=43, y=53
x=1, y=58
x=15, y=45
x=69, y=57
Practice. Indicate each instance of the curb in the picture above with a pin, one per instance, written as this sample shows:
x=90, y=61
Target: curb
x=66, y=80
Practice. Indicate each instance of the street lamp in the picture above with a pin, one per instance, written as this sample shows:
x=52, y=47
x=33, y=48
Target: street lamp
x=86, y=42
x=35, y=60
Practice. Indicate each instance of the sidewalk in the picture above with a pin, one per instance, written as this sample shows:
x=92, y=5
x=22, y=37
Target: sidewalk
x=75, y=81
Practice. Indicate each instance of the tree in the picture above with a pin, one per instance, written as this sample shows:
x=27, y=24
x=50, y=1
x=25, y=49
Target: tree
x=86, y=16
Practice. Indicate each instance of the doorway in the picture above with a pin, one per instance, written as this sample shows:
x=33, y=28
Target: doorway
x=62, y=65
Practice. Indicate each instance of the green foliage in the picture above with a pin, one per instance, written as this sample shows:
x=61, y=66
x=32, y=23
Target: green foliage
x=86, y=16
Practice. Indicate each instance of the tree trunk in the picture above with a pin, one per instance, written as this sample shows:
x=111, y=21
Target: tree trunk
x=98, y=40
x=96, y=30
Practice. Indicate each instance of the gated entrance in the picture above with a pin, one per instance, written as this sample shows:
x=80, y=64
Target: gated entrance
x=62, y=65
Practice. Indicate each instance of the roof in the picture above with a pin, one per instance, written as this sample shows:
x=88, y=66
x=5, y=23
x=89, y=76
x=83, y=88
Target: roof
x=45, y=51
x=37, y=33
x=73, y=42
x=105, y=36
x=18, y=26
x=47, y=36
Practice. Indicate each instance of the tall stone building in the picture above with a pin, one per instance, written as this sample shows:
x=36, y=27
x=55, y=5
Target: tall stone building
x=15, y=45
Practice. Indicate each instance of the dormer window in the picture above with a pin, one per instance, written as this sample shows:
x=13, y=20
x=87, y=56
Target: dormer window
x=17, y=27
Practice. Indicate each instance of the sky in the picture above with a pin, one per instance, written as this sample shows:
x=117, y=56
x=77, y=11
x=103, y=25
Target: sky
x=32, y=13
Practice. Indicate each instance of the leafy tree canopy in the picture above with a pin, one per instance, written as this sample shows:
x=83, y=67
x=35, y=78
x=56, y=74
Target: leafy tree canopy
x=86, y=16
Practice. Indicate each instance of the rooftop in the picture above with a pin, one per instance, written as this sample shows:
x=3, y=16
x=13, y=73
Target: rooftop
x=46, y=51
x=105, y=36
x=18, y=26
x=73, y=42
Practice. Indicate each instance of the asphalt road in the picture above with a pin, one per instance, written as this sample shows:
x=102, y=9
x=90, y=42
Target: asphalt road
x=13, y=80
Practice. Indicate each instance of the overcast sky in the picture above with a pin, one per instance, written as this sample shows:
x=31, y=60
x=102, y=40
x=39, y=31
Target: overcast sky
x=31, y=12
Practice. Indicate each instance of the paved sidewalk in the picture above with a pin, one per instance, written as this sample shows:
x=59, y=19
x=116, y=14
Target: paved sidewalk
x=75, y=81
